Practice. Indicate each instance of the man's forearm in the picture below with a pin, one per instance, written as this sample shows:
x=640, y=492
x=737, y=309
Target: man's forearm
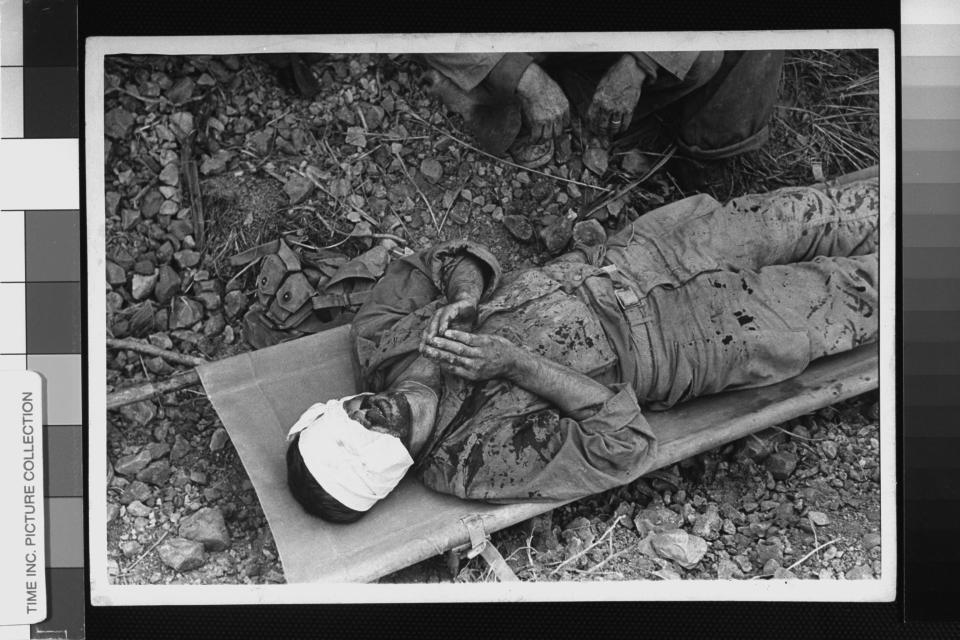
x=465, y=281
x=567, y=389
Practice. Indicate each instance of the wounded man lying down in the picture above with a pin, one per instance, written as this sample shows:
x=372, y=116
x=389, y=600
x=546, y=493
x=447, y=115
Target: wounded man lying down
x=533, y=385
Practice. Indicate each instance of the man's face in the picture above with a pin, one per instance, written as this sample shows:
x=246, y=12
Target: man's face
x=382, y=412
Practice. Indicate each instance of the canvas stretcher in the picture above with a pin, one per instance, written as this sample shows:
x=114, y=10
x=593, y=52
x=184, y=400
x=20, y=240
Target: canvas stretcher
x=259, y=394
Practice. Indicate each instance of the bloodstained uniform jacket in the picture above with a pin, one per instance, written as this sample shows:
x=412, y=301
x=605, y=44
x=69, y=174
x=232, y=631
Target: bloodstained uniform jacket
x=494, y=440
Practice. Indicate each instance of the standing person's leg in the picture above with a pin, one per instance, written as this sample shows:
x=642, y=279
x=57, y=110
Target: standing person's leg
x=674, y=244
x=729, y=114
x=753, y=328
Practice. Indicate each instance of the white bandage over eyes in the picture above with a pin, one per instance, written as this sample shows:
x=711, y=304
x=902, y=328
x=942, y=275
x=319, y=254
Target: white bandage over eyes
x=353, y=464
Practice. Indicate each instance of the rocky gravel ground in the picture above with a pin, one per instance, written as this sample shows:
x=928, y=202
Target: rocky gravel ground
x=373, y=161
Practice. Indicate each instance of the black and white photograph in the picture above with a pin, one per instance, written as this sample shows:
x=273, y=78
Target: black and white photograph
x=491, y=317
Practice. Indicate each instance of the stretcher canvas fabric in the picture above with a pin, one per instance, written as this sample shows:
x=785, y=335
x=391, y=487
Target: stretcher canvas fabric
x=258, y=395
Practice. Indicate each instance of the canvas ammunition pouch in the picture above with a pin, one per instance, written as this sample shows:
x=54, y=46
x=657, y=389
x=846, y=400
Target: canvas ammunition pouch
x=309, y=292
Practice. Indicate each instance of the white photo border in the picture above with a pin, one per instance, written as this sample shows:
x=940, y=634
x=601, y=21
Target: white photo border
x=103, y=593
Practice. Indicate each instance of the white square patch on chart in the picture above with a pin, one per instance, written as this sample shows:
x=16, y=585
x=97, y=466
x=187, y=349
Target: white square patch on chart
x=11, y=32
x=13, y=333
x=12, y=362
x=12, y=252
x=11, y=102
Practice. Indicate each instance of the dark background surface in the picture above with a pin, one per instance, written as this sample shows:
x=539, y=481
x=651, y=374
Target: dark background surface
x=931, y=588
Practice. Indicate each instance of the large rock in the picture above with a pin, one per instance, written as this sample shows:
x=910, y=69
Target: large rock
x=207, y=527
x=679, y=546
x=182, y=555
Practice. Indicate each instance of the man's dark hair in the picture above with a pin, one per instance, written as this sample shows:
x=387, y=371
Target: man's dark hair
x=308, y=492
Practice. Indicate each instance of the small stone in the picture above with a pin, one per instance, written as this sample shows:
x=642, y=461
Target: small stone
x=136, y=490
x=860, y=572
x=182, y=555
x=113, y=510
x=169, y=208
x=596, y=159
x=132, y=464
x=656, y=520
x=769, y=550
x=183, y=120
x=215, y=164
x=144, y=267
x=181, y=447
x=156, y=474
x=431, y=169
x=708, y=525
x=635, y=162
x=784, y=574
x=298, y=188
x=170, y=175
x=679, y=546
x=818, y=518
x=235, y=303
x=185, y=312
x=112, y=202
x=460, y=213
x=871, y=540
x=519, y=227
x=743, y=562
x=151, y=203
x=130, y=548
x=168, y=285
x=355, y=137
x=181, y=91
x=214, y=325
x=781, y=464
x=138, y=509
x=556, y=236
x=207, y=527
x=219, y=439
x=158, y=449
x=115, y=274
x=210, y=300
x=771, y=566
x=118, y=122
x=187, y=258
x=141, y=286
x=829, y=448
x=728, y=570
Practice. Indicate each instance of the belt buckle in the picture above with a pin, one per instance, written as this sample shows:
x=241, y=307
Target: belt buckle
x=627, y=298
